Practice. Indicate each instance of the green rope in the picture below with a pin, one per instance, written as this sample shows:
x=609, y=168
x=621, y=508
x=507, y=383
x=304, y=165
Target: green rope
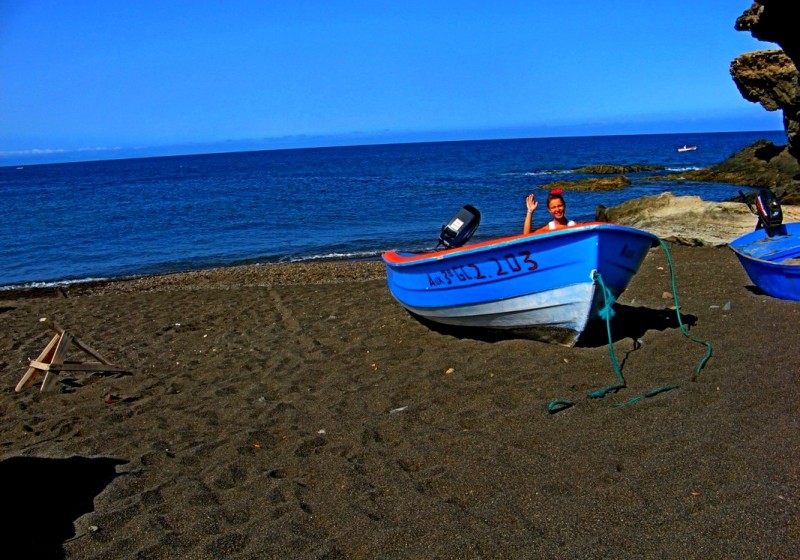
x=607, y=313
x=707, y=344
x=558, y=406
x=649, y=394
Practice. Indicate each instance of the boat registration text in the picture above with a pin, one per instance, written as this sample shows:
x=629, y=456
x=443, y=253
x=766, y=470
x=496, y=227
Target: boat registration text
x=512, y=263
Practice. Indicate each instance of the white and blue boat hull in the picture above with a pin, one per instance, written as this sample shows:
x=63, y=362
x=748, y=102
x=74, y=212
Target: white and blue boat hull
x=541, y=284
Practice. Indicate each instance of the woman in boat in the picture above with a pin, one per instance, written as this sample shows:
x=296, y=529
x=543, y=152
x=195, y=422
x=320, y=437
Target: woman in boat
x=555, y=205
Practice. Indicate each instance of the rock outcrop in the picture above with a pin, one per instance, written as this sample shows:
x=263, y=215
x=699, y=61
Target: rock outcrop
x=610, y=169
x=770, y=77
x=688, y=219
x=594, y=184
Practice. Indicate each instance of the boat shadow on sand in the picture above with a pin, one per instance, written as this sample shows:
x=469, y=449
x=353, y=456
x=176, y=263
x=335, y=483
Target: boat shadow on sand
x=628, y=322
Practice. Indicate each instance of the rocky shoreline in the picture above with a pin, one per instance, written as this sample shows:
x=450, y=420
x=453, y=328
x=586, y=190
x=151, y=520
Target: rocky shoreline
x=767, y=77
x=760, y=165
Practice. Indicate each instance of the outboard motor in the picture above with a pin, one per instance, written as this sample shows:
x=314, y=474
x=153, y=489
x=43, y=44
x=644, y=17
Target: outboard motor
x=768, y=210
x=460, y=228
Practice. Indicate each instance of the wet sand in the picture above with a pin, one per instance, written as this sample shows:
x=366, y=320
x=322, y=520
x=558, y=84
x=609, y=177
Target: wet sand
x=297, y=411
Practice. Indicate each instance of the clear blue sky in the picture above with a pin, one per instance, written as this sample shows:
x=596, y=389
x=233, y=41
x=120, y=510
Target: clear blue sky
x=94, y=78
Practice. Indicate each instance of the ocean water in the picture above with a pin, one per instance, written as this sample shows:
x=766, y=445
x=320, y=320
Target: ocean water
x=105, y=219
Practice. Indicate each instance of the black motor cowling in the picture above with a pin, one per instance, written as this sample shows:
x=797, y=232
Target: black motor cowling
x=768, y=210
x=460, y=228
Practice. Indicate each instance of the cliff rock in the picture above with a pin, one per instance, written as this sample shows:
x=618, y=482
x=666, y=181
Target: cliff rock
x=770, y=77
x=774, y=21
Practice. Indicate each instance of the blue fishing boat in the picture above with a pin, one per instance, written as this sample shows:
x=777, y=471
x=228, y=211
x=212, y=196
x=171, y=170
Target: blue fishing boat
x=545, y=286
x=770, y=255
x=772, y=262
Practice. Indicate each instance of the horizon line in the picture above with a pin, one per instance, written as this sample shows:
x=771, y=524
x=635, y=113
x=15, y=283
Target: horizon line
x=322, y=142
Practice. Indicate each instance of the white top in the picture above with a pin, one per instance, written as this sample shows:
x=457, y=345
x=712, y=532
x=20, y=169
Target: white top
x=552, y=225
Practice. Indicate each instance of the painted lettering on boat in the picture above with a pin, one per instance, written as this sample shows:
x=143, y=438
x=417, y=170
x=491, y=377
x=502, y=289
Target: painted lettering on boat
x=512, y=263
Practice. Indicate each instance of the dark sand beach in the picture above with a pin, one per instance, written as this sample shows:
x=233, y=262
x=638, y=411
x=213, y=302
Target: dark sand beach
x=297, y=411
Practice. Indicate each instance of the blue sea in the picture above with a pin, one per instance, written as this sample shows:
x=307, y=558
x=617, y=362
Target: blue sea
x=73, y=222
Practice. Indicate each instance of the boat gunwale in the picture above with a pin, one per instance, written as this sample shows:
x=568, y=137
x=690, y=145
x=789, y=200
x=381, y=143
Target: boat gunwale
x=395, y=259
x=737, y=247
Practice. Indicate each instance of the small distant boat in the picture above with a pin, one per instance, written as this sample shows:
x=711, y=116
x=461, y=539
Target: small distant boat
x=770, y=255
x=543, y=286
x=686, y=148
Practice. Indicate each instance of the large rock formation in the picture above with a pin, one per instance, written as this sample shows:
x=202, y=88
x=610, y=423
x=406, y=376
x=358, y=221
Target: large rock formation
x=770, y=77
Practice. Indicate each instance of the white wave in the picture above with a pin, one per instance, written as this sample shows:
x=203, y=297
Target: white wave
x=680, y=169
x=543, y=173
x=335, y=256
x=53, y=284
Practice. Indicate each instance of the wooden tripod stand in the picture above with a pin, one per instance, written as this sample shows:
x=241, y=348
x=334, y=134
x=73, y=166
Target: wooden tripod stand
x=52, y=359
